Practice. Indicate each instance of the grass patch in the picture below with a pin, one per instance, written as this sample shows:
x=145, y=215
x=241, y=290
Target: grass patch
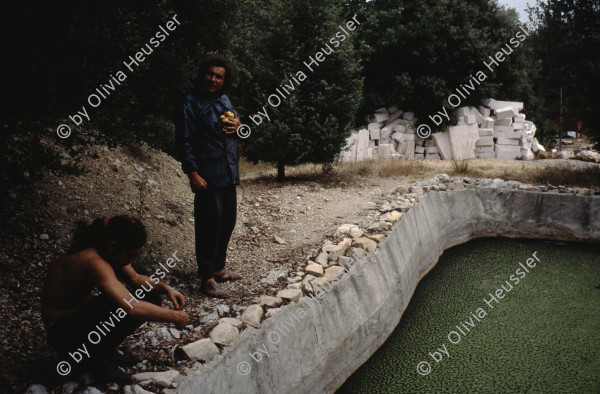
x=460, y=166
x=566, y=176
x=385, y=168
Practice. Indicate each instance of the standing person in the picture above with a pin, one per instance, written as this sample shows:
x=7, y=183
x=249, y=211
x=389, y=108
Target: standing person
x=207, y=149
x=99, y=253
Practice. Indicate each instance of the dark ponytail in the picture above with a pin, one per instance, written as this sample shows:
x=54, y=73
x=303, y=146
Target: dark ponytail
x=127, y=232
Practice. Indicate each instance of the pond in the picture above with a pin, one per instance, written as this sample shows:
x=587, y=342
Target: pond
x=496, y=315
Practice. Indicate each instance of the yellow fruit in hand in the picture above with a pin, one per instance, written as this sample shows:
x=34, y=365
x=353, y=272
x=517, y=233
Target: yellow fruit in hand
x=229, y=114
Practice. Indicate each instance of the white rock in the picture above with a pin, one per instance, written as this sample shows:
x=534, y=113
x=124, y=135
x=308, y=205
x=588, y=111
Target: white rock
x=36, y=389
x=508, y=155
x=203, y=350
x=495, y=104
x=408, y=116
x=375, y=134
x=536, y=146
x=273, y=276
x=391, y=217
x=504, y=113
x=271, y=301
x=588, y=155
x=381, y=117
x=385, y=149
x=507, y=148
x=320, y=284
x=400, y=128
x=485, y=141
x=488, y=123
x=290, y=294
x=394, y=114
x=163, y=334
x=233, y=321
x=442, y=143
x=507, y=141
x=484, y=149
x=356, y=232
x=504, y=122
x=224, y=334
x=565, y=154
x=315, y=270
x=162, y=379
x=222, y=309
x=486, y=155
x=365, y=243
x=374, y=126
x=362, y=144
x=503, y=129
x=135, y=389
x=323, y=259
x=69, y=387
x=175, y=333
x=252, y=315
x=462, y=140
x=332, y=273
x=345, y=229
x=527, y=154
x=508, y=134
x=306, y=282
x=91, y=390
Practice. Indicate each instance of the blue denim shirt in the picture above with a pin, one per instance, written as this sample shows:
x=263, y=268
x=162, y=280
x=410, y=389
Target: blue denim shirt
x=201, y=145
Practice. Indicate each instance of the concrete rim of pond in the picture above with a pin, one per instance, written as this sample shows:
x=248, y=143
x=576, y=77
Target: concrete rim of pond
x=311, y=347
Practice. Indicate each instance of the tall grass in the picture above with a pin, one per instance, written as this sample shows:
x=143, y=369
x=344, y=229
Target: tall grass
x=567, y=176
x=460, y=166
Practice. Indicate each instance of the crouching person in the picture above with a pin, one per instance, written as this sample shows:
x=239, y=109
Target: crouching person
x=85, y=329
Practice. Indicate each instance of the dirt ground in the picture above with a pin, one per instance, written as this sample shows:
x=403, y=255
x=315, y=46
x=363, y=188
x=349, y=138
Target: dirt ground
x=39, y=217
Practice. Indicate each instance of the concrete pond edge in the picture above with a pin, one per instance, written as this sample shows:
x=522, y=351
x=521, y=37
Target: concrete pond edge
x=335, y=322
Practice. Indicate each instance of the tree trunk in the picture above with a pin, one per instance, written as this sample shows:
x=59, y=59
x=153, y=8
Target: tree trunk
x=280, y=170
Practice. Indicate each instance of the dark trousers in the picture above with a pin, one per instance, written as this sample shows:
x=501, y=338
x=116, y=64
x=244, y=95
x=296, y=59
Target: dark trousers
x=215, y=213
x=68, y=335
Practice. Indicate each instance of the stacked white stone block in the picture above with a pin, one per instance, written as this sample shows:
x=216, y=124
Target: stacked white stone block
x=512, y=133
x=390, y=134
x=496, y=129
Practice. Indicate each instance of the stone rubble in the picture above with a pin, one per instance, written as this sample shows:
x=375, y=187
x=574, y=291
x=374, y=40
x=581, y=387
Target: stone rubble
x=495, y=129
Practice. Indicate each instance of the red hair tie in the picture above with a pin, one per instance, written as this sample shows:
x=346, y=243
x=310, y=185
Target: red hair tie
x=105, y=222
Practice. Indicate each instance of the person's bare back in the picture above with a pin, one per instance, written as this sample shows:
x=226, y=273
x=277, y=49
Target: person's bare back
x=68, y=285
x=101, y=256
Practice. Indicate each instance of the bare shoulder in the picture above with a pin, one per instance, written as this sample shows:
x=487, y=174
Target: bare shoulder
x=92, y=264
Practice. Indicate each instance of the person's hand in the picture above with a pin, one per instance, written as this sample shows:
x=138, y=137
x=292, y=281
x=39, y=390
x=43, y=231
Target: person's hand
x=197, y=183
x=182, y=320
x=177, y=299
x=230, y=125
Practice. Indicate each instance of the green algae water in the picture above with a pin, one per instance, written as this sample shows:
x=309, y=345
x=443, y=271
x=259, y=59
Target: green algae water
x=484, y=321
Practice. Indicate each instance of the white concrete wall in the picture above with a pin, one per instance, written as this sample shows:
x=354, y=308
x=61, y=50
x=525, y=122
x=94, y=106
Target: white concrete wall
x=327, y=345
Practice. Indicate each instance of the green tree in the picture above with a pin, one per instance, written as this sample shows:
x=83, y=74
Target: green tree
x=568, y=49
x=317, y=107
x=418, y=52
x=60, y=53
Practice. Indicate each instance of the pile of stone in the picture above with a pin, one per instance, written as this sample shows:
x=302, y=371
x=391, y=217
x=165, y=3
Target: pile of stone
x=389, y=135
x=513, y=135
x=496, y=129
